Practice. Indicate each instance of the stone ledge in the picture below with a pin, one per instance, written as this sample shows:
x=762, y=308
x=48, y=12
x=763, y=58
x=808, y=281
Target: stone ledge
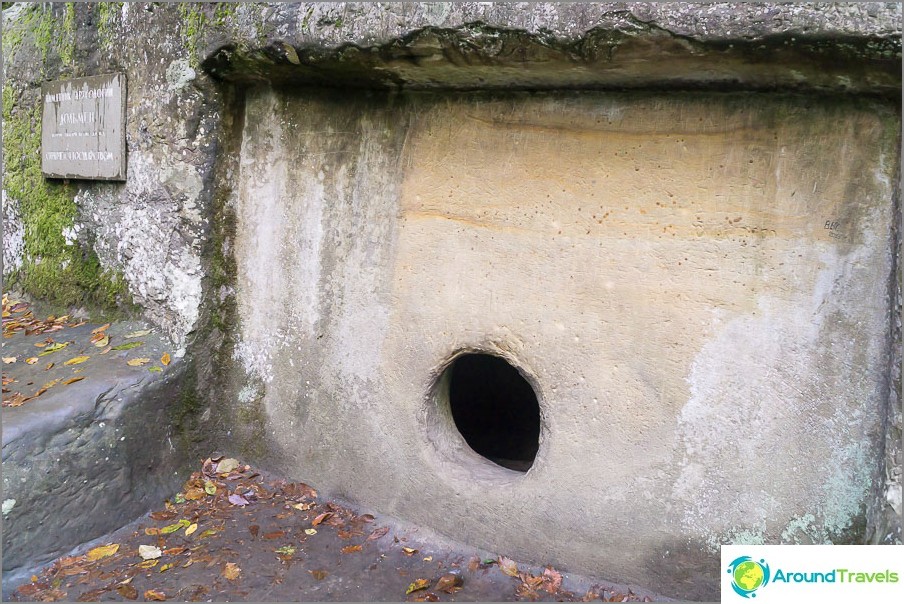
x=84, y=459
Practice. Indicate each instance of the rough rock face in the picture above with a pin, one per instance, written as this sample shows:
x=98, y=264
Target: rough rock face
x=150, y=229
x=282, y=234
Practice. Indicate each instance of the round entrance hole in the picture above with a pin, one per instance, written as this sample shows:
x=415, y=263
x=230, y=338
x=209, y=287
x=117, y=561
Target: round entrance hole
x=495, y=409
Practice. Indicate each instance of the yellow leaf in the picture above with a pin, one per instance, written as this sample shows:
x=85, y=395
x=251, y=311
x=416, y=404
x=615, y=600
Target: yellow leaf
x=76, y=360
x=310, y=531
x=165, y=359
x=232, y=571
x=103, y=551
x=148, y=563
x=138, y=362
x=409, y=551
x=73, y=380
x=53, y=348
x=417, y=585
x=153, y=594
x=9, y=360
x=102, y=342
x=31, y=360
x=191, y=528
x=166, y=567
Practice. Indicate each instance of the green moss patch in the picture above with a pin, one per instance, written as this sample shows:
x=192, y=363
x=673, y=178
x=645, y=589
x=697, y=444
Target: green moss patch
x=59, y=273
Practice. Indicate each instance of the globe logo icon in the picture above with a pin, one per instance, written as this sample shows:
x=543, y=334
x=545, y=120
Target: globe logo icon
x=748, y=575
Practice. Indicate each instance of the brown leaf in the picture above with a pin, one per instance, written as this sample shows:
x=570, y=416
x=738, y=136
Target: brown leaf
x=194, y=494
x=232, y=571
x=275, y=535
x=100, y=329
x=73, y=380
x=449, y=583
x=319, y=574
x=377, y=533
x=348, y=549
x=163, y=515
x=417, y=585
x=321, y=518
x=254, y=530
x=367, y=517
x=526, y=591
x=474, y=564
x=153, y=594
x=425, y=597
x=127, y=591
x=552, y=580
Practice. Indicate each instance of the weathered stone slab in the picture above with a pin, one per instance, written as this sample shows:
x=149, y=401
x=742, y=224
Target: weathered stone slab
x=83, y=128
x=689, y=281
x=83, y=459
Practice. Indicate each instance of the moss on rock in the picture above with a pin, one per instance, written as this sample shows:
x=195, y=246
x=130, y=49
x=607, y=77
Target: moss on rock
x=60, y=272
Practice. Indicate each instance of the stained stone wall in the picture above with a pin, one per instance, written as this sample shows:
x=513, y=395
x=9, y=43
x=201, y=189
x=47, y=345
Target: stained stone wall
x=679, y=221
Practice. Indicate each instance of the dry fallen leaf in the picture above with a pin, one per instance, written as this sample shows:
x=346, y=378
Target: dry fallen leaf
x=286, y=550
x=238, y=500
x=275, y=535
x=103, y=551
x=127, y=591
x=377, y=533
x=73, y=380
x=76, y=360
x=102, y=342
x=148, y=563
x=320, y=518
x=137, y=334
x=9, y=360
x=165, y=359
x=227, y=465
x=417, y=585
x=348, y=549
x=31, y=360
x=100, y=329
x=149, y=552
x=232, y=571
x=409, y=551
x=138, y=362
x=552, y=580
x=449, y=583
x=319, y=574
x=166, y=567
x=425, y=597
x=508, y=566
x=191, y=528
x=310, y=531
x=153, y=594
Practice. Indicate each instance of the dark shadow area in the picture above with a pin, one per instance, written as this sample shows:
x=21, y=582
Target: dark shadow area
x=495, y=409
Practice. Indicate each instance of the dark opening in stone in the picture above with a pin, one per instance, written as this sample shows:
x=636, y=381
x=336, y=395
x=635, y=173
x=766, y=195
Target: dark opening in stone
x=495, y=410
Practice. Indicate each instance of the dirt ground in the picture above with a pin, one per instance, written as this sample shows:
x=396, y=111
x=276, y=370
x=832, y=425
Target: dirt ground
x=236, y=534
